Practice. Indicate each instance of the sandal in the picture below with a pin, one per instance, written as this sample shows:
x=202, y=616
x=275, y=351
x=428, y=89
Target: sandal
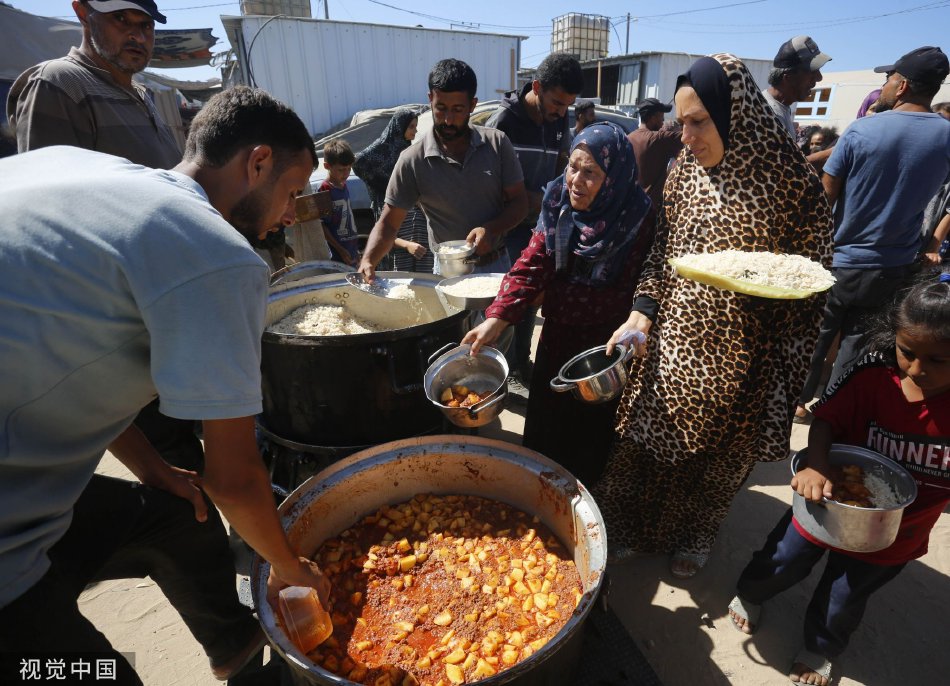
x=685, y=565
x=750, y=612
x=812, y=662
x=802, y=415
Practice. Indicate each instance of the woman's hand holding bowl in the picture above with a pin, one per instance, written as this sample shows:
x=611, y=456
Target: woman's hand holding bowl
x=485, y=333
x=637, y=321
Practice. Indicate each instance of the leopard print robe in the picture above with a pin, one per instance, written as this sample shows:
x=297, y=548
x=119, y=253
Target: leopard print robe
x=716, y=391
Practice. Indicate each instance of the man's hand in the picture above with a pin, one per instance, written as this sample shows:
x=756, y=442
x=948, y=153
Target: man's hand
x=133, y=450
x=184, y=484
x=812, y=485
x=304, y=573
x=485, y=333
x=481, y=238
x=367, y=269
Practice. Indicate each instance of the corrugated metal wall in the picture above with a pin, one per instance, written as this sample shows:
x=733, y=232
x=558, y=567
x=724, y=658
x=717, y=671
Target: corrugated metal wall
x=328, y=70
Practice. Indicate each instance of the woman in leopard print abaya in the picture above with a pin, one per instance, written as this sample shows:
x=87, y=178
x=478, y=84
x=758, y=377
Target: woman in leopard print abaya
x=716, y=390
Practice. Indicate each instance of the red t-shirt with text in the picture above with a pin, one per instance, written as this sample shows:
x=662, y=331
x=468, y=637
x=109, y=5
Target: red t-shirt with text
x=869, y=409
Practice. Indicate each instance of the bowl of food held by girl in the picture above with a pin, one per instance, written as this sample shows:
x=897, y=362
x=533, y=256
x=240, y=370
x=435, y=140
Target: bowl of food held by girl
x=868, y=501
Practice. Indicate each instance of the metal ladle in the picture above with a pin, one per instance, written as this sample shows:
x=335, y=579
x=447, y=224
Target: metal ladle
x=380, y=287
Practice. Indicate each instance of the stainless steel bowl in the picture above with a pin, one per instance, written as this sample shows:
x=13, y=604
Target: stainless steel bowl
x=394, y=472
x=486, y=371
x=593, y=376
x=858, y=529
x=455, y=263
x=462, y=302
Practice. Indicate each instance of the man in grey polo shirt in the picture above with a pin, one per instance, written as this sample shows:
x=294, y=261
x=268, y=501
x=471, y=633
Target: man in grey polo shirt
x=467, y=179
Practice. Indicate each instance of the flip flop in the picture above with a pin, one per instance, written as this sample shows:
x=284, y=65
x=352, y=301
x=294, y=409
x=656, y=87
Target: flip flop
x=696, y=561
x=750, y=612
x=818, y=664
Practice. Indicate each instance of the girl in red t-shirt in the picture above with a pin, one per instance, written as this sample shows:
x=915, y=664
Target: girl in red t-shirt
x=896, y=401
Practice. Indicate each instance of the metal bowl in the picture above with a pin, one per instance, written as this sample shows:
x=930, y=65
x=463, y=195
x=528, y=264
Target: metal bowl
x=462, y=302
x=394, y=472
x=847, y=527
x=594, y=377
x=486, y=371
x=455, y=263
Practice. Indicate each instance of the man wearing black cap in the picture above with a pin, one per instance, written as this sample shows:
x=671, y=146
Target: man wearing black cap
x=882, y=173
x=88, y=99
x=654, y=145
x=795, y=71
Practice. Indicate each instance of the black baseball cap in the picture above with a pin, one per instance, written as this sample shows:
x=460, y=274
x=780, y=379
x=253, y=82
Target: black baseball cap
x=800, y=51
x=147, y=6
x=651, y=105
x=926, y=64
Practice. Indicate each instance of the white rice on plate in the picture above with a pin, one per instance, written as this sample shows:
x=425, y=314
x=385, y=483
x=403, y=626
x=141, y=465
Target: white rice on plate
x=765, y=268
x=477, y=286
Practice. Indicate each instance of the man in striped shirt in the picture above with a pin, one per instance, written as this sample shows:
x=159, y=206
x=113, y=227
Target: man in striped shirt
x=88, y=99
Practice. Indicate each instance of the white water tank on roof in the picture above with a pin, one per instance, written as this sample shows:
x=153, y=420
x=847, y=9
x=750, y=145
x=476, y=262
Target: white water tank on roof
x=585, y=35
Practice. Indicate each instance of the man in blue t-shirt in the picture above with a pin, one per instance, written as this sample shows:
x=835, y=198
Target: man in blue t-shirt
x=880, y=177
x=121, y=283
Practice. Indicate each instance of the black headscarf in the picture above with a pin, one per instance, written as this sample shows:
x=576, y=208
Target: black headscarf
x=375, y=164
x=711, y=84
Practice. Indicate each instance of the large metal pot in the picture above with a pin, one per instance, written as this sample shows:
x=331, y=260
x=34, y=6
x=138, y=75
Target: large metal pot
x=858, y=529
x=487, y=370
x=593, y=376
x=337, y=497
x=359, y=389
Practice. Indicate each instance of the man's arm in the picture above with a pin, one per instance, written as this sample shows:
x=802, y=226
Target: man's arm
x=832, y=186
x=818, y=159
x=237, y=481
x=139, y=456
x=381, y=239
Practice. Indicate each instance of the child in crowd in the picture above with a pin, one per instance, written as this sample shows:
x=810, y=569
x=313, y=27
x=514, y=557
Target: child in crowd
x=896, y=401
x=340, y=226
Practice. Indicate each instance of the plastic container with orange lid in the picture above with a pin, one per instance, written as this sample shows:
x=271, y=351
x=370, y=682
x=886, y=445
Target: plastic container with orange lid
x=304, y=617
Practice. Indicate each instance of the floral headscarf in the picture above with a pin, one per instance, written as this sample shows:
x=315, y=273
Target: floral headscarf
x=375, y=163
x=602, y=235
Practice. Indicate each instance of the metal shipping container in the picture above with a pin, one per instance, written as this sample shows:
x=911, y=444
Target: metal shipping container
x=328, y=70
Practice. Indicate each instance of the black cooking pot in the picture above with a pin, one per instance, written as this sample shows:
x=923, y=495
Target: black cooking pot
x=358, y=389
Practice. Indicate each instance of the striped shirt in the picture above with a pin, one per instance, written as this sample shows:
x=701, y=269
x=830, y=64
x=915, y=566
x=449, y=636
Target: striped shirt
x=71, y=101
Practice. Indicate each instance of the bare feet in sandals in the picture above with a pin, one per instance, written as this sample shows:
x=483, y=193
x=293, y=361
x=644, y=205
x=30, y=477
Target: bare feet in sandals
x=810, y=668
x=685, y=565
x=744, y=615
x=803, y=674
x=740, y=622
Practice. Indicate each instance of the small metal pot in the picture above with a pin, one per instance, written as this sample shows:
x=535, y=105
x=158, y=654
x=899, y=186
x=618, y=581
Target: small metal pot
x=858, y=529
x=593, y=376
x=455, y=263
x=487, y=369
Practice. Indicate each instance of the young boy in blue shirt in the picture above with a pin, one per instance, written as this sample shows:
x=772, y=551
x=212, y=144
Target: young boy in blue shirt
x=340, y=226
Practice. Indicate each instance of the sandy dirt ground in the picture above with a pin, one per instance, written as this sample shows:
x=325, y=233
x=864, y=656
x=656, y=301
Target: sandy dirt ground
x=680, y=626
